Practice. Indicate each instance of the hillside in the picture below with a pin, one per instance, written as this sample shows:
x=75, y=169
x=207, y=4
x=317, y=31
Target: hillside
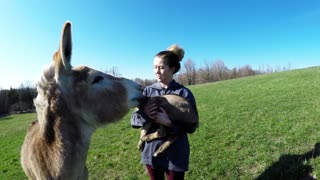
x=258, y=126
x=264, y=127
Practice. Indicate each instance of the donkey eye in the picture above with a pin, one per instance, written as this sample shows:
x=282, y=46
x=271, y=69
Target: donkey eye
x=97, y=79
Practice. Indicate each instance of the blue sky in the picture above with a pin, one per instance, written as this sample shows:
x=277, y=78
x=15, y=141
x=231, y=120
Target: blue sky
x=127, y=34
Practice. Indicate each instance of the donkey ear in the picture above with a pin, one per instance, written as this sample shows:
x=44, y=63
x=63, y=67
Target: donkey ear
x=63, y=56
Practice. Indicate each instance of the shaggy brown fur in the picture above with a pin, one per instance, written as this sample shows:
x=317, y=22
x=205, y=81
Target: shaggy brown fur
x=179, y=110
x=71, y=103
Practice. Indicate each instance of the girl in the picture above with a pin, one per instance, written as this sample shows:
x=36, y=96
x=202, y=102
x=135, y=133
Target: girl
x=175, y=160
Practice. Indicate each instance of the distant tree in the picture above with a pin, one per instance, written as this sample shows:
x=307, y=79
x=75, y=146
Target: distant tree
x=114, y=71
x=145, y=82
x=246, y=71
x=266, y=69
x=139, y=81
x=4, y=102
x=148, y=82
x=288, y=67
x=13, y=96
x=181, y=78
x=190, y=72
x=220, y=70
x=234, y=73
x=21, y=99
x=205, y=73
x=26, y=95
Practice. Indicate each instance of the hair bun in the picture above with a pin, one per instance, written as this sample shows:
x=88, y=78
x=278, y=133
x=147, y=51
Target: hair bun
x=177, y=50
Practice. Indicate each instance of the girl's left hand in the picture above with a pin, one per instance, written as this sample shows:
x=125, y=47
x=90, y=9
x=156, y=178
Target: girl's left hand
x=163, y=118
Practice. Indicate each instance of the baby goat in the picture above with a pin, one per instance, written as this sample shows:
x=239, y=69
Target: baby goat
x=179, y=110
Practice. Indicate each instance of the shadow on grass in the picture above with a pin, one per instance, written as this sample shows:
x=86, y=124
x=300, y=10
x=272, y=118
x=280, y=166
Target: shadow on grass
x=5, y=117
x=292, y=166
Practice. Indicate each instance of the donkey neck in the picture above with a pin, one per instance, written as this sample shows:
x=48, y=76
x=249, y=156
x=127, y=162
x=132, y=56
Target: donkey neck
x=58, y=120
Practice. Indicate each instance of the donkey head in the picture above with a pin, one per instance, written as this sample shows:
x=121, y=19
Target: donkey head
x=95, y=97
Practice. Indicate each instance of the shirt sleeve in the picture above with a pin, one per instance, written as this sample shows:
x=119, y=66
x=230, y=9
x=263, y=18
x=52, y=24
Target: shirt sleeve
x=192, y=128
x=137, y=119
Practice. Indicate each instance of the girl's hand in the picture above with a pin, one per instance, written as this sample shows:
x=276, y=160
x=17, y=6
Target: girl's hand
x=150, y=110
x=162, y=118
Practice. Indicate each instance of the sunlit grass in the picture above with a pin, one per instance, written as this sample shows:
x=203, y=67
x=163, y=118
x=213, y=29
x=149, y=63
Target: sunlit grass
x=261, y=127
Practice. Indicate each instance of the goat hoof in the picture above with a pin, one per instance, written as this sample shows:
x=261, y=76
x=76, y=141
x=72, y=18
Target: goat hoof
x=140, y=146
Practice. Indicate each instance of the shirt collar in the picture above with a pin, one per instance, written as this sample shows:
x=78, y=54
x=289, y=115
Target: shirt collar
x=171, y=85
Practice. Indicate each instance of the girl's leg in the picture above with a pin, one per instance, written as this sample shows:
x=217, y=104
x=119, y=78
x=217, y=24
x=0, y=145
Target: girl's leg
x=174, y=175
x=155, y=174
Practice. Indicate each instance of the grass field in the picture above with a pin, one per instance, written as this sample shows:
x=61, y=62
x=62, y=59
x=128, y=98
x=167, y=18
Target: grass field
x=261, y=127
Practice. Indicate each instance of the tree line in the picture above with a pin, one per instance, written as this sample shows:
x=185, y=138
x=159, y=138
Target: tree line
x=215, y=71
x=17, y=100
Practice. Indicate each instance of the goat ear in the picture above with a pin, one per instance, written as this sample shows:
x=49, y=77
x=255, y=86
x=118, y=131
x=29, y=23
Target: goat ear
x=63, y=56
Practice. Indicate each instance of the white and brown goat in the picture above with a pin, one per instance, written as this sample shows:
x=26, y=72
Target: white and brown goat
x=179, y=110
x=71, y=104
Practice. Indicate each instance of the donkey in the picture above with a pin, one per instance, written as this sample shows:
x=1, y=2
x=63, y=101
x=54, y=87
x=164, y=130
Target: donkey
x=72, y=102
x=179, y=110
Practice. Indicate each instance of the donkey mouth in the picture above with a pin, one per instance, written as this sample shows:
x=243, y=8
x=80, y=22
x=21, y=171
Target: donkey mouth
x=140, y=99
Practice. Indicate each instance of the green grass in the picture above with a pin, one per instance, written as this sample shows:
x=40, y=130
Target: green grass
x=12, y=131
x=263, y=127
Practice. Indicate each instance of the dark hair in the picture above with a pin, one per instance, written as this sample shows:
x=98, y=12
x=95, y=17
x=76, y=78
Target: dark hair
x=172, y=56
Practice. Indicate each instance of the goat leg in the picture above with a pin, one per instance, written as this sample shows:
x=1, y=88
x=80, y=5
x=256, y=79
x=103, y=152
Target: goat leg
x=165, y=145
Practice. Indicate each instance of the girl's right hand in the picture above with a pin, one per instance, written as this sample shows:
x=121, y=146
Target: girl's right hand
x=150, y=110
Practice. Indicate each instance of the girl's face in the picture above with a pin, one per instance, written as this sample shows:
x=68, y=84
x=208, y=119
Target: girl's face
x=163, y=73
